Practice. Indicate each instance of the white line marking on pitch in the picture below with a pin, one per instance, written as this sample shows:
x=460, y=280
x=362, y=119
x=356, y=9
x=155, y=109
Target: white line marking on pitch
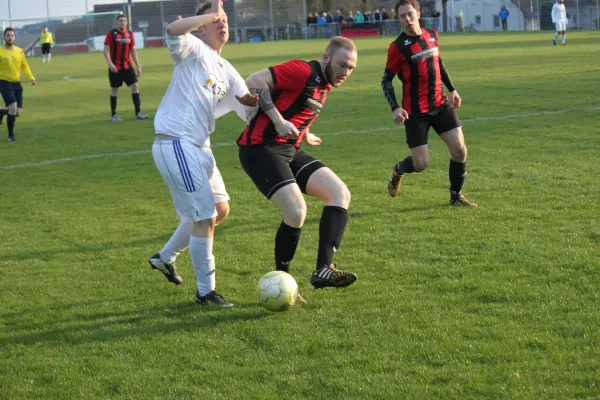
x=130, y=153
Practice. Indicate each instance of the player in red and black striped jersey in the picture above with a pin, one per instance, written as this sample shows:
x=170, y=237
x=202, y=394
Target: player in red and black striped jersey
x=292, y=96
x=415, y=58
x=119, y=49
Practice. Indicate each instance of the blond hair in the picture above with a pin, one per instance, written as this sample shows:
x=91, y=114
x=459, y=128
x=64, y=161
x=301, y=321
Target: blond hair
x=339, y=42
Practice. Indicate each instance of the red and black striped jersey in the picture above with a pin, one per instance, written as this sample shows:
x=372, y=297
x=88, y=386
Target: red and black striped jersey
x=417, y=62
x=120, y=43
x=299, y=93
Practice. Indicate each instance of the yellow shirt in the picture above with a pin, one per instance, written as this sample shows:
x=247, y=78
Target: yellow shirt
x=46, y=37
x=12, y=63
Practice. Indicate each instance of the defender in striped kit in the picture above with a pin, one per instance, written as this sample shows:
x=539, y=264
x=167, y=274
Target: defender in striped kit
x=415, y=58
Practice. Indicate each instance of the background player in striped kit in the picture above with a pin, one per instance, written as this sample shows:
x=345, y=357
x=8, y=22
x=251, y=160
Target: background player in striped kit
x=204, y=87
x=415, y=58
x=292, y=95
x=119, y=49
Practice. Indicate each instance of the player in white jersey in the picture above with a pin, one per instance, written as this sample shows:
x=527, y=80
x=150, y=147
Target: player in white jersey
x=559, y=17
x=204, y=87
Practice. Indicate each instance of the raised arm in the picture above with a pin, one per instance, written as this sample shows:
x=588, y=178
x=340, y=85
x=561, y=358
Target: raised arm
x=182, y=26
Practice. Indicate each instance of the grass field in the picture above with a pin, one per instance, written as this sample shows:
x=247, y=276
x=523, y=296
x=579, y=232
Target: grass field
x=496, y=302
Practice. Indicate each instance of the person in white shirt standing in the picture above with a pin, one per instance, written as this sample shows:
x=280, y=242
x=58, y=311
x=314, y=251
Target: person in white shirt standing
x=204, y=87
x=559, y=17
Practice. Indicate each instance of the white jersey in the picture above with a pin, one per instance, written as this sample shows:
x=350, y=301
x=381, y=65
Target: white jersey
x=559, y=14
x=202, y=89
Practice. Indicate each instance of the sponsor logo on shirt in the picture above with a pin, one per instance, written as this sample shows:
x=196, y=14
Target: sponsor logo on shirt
x=425, y=54
x=216, y=86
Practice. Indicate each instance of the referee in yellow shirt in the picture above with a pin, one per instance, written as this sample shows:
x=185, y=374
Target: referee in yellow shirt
x=12, y=62
x=46, y=41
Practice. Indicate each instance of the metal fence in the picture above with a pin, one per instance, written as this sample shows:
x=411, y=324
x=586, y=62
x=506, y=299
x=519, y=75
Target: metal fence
x=265, y=20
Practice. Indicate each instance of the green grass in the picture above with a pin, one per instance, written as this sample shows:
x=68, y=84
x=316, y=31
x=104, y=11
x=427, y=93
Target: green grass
x=496, y=302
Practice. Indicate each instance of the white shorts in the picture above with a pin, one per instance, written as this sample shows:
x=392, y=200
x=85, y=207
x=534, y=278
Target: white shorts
x=192, y=176
x=561, y=26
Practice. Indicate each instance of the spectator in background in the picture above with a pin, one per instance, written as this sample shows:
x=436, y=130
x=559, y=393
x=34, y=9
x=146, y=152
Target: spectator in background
x=394, y=24
x=436, y=19
x=504, y=18
x=338, y=17
x=377, y=15
x=310, y=21
x=392, y=15
x=358, y=17
x=321, y=25
x=350, y=18
x=384, y=14
x=328, y=21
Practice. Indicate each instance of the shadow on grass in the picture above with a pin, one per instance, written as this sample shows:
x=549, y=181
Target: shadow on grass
x=80, y=326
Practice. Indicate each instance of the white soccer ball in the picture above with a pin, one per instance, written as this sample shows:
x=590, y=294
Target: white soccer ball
x=277, y=290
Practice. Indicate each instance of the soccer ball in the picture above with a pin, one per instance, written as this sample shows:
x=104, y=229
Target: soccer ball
x=278, y=291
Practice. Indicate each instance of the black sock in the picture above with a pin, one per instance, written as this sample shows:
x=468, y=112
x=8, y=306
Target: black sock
x=405, y=166
x=136, y=102
x=457, y=173
x=113, y=105
x=286, y=242
x=333, y=224
x=10, y=122
x=3, y=111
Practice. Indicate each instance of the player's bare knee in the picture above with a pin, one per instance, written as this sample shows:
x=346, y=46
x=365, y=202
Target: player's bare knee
x=222, y=211
x=420, y=163
x=204, y=228
x=12, y=109
x=344, y=197
x=114, y=91
x=459, y=154
x=134, y=88
x=295, y=216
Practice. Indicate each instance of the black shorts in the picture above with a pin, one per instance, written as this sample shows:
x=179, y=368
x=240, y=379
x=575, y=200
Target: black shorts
x=443, y=119
x=124, y=75
x=12, y=92
x=273, y=166
x=46, y=48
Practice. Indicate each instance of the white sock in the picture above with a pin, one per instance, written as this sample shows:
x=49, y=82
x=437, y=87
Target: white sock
x=564, y=39
x=43, y=59
x=49, y=55
x=204, y=263
x=555, y=36
x=178, y=242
